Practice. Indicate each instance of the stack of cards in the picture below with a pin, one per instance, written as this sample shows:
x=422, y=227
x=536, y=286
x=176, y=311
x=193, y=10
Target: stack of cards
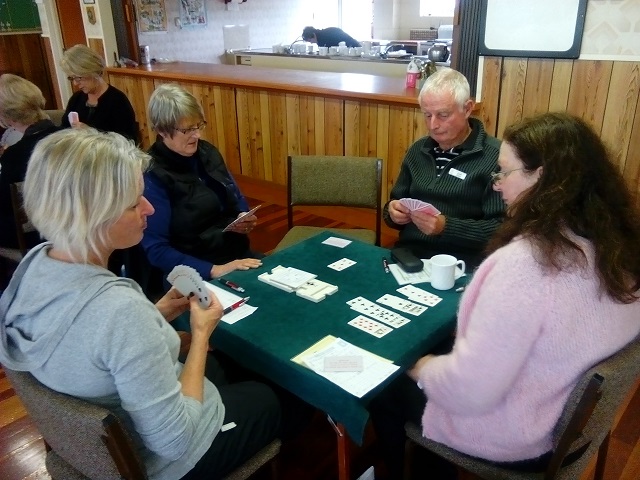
x=419, y=295
x=419, y=206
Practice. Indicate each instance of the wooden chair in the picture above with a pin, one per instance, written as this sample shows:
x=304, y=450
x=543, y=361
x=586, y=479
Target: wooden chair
x=85, y=441
x=583, y=429
x=323, y=180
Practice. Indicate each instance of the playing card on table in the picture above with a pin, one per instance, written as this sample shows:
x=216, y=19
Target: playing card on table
x=419, y=206
x=405, y=306
x=341, y=264
x=370, y=326
x=371, y=309
x=419, y=295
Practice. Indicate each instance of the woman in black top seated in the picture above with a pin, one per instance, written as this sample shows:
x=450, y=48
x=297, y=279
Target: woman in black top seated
x=193, y=194
x=21, y=107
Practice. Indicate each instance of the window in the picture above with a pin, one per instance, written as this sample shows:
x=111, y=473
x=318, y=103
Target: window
x=437, y=8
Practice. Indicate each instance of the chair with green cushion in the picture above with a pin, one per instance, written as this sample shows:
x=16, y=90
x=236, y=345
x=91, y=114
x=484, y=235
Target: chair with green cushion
x=324, y=180
x=583, y=430
x=55, y=116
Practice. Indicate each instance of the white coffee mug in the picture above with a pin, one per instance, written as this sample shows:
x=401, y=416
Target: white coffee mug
x=333, y=50
x=323, y=51
x=444, y=272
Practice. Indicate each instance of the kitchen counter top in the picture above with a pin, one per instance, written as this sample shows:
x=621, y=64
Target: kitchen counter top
x=364, y=58
x=356, y=86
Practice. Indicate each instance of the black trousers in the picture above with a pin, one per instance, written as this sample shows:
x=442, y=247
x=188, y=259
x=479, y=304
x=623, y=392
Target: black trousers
x=255, y=410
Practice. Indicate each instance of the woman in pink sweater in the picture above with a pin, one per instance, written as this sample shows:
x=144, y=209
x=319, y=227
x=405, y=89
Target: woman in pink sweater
x=557, y=294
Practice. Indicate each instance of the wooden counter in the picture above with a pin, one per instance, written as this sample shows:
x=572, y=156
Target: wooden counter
x=257, y=116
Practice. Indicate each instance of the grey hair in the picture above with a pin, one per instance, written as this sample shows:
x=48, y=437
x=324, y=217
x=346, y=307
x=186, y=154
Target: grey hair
x=447, y=80
x=81, y=60
x=170, y=103
x=78, y=184
x=20, y=100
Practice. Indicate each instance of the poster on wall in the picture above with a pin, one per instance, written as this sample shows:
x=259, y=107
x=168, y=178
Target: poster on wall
x=152, y=16
x=193, y=13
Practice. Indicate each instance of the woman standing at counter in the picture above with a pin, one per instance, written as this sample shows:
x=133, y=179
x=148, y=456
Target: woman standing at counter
x=98, y=104
x=193, y=193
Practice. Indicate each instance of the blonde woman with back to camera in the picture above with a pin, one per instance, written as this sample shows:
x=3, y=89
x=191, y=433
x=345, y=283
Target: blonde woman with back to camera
x=96, y=103
x=65, y=317
x=21, y=108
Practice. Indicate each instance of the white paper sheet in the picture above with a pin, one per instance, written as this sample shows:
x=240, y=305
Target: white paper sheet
x=374, y=371
x=227, y=299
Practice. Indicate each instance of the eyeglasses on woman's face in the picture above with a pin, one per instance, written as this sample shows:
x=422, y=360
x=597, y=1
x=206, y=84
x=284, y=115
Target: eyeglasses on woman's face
x=499, y=176
x=76, y=78
x=192, y=130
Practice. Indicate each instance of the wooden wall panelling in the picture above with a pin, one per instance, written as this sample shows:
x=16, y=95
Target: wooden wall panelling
x=560, y=85
x=620, y=110
x=537, y=86
x=589, y=88
x=318, y=118
x=401, y=136
x=224, y=100
x=353, y=127
x=244, y=135
x=138, y=91
x=632, y=165
x=294, y=126
x=276, y=162
x=490, y=97
x=333, y=126
x=511, y=101
x=307, y=125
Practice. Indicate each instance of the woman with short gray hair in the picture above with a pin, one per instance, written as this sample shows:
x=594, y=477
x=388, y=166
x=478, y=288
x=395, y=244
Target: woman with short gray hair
x=96, y=103
x=64, y=316
x=194, y=194
x=21, y=108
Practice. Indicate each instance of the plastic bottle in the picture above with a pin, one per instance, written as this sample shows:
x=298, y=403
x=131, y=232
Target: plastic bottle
x=413, y=72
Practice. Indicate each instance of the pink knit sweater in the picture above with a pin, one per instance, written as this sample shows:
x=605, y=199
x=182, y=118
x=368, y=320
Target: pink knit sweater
x=525, y=336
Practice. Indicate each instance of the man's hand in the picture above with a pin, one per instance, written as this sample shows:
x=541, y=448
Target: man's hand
x=399, y=214
x=172, y=304
x=429, y=224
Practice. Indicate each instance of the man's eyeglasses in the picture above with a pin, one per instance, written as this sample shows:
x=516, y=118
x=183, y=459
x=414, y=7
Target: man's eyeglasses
x=192, y=130
x=75, y=78
x=498, y=176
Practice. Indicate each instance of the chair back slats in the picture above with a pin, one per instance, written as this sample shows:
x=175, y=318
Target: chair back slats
x=326, y=180
x=76, y=430
x=575, y=426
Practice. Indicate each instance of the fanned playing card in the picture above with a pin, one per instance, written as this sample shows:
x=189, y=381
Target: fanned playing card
x=419, y=206
x=187, y=281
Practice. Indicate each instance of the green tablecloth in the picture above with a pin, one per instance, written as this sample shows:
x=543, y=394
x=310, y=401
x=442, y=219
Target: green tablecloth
x=285, y=325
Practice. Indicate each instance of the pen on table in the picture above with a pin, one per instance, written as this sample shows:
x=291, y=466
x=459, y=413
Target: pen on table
x=460, y=289
x=231, y=285
x=385, y=265
x=238, y=304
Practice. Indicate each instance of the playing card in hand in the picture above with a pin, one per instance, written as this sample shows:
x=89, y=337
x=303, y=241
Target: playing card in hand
x=419, y=206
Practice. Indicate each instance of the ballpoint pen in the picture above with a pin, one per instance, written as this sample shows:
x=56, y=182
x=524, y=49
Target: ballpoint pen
x=385, y=265
x=238, y=304
x=231, y=285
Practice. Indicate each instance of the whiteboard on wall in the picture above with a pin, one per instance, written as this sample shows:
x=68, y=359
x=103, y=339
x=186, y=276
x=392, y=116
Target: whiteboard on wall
x=532, y=28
